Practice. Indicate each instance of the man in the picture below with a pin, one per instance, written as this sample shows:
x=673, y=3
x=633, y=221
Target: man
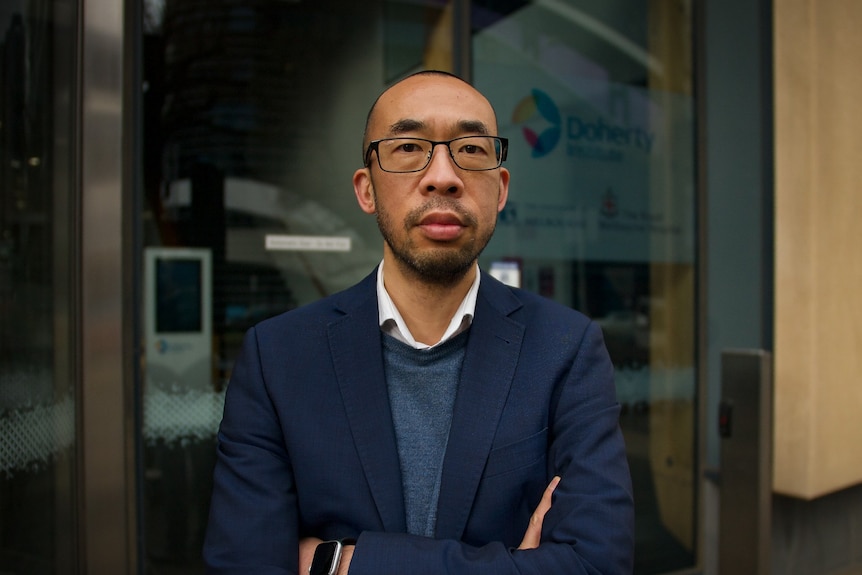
x=412, y=423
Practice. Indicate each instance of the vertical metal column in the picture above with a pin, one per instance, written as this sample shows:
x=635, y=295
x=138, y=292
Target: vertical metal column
x=106, y=480
x=745, y=427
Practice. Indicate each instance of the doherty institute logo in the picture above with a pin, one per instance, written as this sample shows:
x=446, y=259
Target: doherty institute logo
x=585, y=132
x=535, y=111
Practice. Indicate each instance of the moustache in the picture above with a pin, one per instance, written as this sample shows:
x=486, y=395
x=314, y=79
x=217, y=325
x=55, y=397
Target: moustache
x=415, y=215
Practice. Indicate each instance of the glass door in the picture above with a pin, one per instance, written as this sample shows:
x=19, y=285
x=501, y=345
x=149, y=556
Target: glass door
x=596, y=100
x=38, y=366
x=253, y=120
x=253, y=113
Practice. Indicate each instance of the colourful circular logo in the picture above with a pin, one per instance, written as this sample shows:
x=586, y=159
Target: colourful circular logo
x=539, y=104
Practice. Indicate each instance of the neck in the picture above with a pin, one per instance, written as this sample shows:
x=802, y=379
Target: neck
x=427, y=308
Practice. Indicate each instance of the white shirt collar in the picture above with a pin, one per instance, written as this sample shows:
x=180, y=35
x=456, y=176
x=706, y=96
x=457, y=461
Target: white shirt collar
x=393, y=324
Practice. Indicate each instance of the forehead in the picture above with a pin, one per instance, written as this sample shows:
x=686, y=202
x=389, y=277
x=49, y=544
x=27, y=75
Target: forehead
x=436, y=103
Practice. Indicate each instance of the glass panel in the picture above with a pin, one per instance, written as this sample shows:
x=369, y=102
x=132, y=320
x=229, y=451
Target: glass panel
x=596, y=100
x=253, y=118
x=416, y=35
x=37, y=237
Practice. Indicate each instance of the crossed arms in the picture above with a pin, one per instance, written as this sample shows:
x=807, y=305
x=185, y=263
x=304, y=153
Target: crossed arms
x=531, y=540
x=287, y=476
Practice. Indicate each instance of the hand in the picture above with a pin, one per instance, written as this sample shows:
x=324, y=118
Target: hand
x=533, y=535
x=307, y=547
x=346, y=555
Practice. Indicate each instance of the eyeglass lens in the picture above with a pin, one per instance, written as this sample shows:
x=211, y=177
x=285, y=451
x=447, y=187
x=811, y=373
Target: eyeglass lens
x=413, y=154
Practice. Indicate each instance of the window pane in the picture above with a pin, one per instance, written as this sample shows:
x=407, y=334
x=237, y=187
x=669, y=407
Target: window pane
x=596, y=100
x=253, y=120
x=37, y=372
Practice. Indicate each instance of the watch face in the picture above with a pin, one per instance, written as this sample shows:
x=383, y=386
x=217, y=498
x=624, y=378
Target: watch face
x=326, y=557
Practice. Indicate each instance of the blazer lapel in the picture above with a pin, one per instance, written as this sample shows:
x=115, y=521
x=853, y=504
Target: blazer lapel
x=358, y=359
x=486, y=376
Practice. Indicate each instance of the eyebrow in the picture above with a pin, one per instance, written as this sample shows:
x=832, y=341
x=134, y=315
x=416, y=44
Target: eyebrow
x=473, y=126
x=464, y=126
x=405, y=126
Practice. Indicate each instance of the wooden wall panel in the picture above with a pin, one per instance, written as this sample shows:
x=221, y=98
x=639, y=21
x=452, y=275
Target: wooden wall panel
x=818, y=243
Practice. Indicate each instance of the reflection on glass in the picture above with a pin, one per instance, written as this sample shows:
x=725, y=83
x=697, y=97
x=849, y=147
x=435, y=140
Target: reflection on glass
x=416, y=35
x=252, y=123
x=253, y=120
x=37, y=385
x=596, y=100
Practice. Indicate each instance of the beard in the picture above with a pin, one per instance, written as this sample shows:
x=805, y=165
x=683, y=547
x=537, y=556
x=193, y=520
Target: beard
x=444, y=265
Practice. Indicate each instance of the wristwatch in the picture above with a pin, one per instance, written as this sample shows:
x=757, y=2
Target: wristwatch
x=327, y=557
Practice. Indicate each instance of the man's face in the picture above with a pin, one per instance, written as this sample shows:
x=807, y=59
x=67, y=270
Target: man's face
x=437, y=221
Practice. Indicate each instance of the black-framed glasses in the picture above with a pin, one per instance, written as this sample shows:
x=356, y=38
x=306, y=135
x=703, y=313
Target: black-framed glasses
x=402, y=155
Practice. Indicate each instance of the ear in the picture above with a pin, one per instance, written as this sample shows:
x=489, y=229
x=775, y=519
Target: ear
x=364, y=190
x=504, y=189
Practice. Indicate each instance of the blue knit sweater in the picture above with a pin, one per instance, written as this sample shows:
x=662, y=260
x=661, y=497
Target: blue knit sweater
x=422, y=386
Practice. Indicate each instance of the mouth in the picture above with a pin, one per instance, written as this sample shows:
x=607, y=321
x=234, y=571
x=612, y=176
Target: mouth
x=441, y=226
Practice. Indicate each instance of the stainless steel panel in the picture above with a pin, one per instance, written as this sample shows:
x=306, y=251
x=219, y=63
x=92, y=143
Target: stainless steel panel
x=745, y=426
x=105, y=525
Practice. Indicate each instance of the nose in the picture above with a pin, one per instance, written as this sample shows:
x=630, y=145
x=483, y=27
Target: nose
x=441, y=175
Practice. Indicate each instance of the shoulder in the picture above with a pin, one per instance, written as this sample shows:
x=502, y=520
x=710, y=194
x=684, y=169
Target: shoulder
x=529, y=308
x=320, y=313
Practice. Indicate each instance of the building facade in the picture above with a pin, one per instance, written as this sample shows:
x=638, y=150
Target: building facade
x=174, y=171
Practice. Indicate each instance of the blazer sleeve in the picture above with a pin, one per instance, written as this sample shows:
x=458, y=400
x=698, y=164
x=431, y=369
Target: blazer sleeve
x=590, y=526
x=253, y=524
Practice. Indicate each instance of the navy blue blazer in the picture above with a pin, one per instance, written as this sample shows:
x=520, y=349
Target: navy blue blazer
x=307, y=447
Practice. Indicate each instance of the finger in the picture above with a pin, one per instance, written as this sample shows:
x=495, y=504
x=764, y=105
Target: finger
x=533, y=535
x=545, y=503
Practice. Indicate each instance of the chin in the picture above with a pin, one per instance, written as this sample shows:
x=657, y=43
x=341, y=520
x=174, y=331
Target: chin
x=443, y=267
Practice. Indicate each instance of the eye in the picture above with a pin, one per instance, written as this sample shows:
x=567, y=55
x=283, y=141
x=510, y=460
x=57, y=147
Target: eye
x=471, y=149
x=409, y=147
